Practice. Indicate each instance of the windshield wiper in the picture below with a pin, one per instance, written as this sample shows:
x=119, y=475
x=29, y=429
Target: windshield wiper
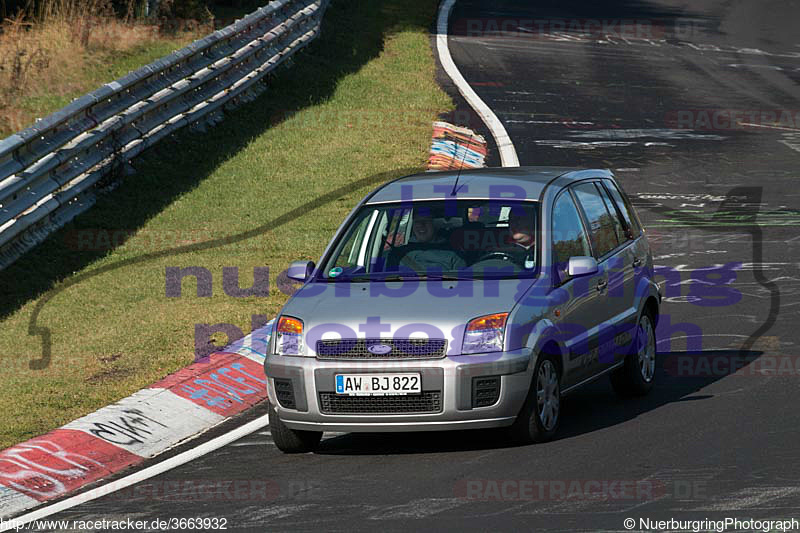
x=415, y=277
x=445, y=277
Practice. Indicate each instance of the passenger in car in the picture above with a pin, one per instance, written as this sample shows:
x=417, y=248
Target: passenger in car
x=520, y=226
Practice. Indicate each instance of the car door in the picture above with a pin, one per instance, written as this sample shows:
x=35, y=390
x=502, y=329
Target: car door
x=630, y=257
x=604, y=235
x=619, y=265
x=575, y=315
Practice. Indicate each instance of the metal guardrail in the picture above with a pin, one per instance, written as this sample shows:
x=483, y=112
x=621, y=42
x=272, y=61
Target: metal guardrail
x=49, y=172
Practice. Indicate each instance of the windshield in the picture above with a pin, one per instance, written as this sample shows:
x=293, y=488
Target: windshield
x=463, y=239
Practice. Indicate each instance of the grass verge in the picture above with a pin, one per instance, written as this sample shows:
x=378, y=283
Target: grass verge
x=358, y=102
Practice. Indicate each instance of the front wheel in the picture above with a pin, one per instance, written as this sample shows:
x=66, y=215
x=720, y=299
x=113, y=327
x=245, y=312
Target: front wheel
x=290, y=440
x=539, y=417
x=637, y=374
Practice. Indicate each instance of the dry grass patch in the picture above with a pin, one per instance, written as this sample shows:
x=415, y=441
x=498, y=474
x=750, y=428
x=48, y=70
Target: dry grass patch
x=70, y=47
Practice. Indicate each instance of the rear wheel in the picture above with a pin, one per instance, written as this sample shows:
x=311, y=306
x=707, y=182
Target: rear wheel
x=539, y=417
x=636, y=376
x=290, y=440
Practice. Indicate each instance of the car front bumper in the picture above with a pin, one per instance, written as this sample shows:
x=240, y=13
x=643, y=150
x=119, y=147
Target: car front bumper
x=452, y=377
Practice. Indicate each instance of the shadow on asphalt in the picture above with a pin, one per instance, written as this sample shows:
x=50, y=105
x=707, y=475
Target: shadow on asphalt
x=679, y=377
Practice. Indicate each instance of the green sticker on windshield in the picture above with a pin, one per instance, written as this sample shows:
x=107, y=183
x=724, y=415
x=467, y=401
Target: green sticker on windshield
x=335, y=271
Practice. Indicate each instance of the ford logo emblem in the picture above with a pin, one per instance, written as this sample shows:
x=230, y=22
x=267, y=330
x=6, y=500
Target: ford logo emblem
x=379, y=349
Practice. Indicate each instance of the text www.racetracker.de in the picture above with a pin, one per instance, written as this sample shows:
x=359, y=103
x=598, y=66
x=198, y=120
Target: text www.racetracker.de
x=199, y=523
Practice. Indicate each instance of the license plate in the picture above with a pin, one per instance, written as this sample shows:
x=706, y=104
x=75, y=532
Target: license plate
x=378, y=384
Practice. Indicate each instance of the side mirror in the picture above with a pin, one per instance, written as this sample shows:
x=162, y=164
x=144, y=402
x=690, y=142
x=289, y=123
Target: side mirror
x=581, y=266
x=300, y=270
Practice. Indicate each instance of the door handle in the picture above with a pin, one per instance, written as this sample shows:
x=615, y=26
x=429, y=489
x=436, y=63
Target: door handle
x=602, y=284
x=637, y=262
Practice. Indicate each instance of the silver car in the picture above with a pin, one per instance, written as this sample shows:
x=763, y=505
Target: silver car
x=466, y=300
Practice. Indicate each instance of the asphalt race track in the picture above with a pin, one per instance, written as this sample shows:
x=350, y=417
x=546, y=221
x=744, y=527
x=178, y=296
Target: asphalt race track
x=696, y=107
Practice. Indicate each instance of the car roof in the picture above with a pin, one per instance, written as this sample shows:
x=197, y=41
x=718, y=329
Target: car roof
x=525, y=183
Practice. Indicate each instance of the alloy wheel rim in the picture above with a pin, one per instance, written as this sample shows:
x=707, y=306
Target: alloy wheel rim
x=647, y=349
x=547, y=395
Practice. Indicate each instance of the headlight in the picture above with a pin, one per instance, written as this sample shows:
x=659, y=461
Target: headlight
x=485, y=334
x=289, y=336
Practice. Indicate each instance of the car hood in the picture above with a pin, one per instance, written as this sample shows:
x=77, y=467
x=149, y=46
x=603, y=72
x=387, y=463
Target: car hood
x=404, y=309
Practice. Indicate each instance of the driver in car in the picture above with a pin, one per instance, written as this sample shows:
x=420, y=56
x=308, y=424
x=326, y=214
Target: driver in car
x=433, y=253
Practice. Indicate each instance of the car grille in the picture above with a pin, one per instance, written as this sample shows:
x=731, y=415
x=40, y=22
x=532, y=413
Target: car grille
x=427, y=402
x=400, y=349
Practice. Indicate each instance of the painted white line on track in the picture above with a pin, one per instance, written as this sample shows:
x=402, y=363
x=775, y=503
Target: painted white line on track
x=142, y=475
x=749, y=498
x=253, y=443
x=417, y=509
x=770, y=126
x=508, y=154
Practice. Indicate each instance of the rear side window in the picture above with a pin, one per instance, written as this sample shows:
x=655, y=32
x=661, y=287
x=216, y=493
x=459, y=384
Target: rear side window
x=622, y=236
x=601, y=223
x=631, y=223
x=569, y=236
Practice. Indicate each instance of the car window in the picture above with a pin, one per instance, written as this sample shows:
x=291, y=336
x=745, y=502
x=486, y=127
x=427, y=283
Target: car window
x=353, y=250
x=467, y=238
x=569, y=235
x=625, y=208
x=619, y=231
x=398, y=231
x=601, y=223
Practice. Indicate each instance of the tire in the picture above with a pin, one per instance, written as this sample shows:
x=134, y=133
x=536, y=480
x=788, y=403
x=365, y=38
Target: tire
x=637, y=374
x=289, y=440
x=538, y=419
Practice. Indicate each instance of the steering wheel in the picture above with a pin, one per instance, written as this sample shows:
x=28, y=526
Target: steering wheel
x=499, y=255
